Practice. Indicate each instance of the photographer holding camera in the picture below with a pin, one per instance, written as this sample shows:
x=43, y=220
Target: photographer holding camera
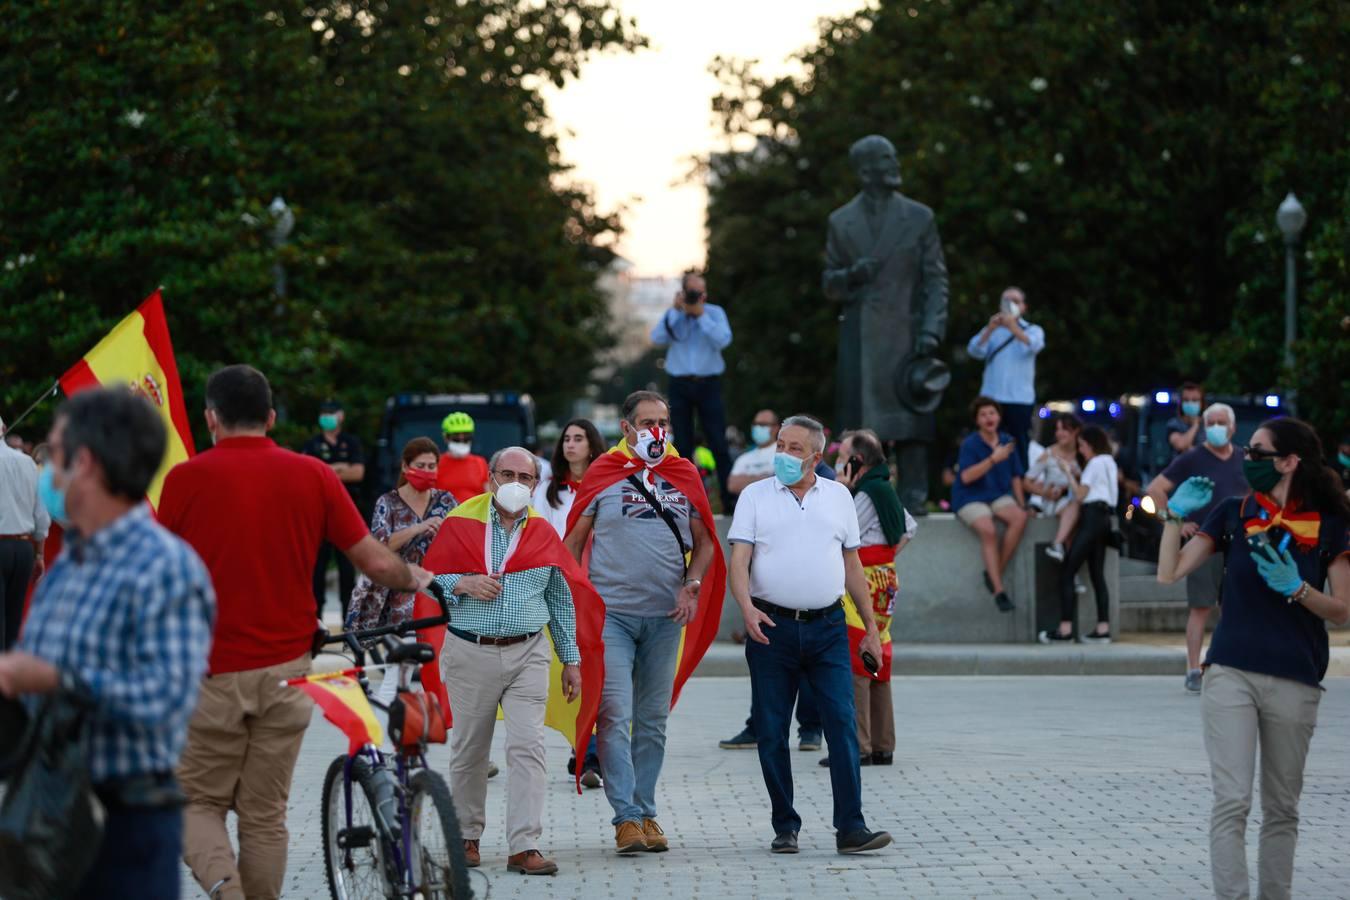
x=697, y=332
x=1008, y=344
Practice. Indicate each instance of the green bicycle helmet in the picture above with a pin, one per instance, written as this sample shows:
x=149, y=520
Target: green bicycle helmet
x=457, y=423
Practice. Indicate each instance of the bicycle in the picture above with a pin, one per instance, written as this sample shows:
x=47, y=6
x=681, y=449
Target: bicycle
x=389, y=826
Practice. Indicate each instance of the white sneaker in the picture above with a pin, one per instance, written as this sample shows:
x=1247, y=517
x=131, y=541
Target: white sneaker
x=1078, y=586
x=1055, y=551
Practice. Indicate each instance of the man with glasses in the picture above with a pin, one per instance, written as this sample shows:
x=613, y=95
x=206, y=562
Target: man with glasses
x=497, y=656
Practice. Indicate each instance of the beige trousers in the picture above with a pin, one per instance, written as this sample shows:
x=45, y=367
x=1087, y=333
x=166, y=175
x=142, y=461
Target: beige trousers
x=243, y=740
x=875, y=715
x=1241, y=710
x=479, y=678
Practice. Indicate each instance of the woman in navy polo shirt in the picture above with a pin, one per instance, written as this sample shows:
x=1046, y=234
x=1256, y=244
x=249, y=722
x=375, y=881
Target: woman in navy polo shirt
x=1287, y=552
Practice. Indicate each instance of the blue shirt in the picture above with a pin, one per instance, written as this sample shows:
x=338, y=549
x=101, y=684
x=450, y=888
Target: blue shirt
x=696, y=342
x=1259, y=631
x=128, y=611
x=1010, y=377
x=995, y=483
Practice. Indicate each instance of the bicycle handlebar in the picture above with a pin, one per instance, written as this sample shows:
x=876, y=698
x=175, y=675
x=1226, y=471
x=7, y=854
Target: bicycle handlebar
x=434, y=590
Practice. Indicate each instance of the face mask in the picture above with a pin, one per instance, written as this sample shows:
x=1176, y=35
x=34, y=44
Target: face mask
x=1261, y=474
x=459, y=449
x=787, y=468
x=651, y=445
x=1190, y=408
x=512, y=497
x=1344, y=459
x=420, y=479
x=1217, y=435
x=328, y=422
x=53, y=498
x=761, y=434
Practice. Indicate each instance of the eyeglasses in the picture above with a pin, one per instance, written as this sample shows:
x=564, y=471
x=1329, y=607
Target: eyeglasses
x=1260, y=453
x=505, y=476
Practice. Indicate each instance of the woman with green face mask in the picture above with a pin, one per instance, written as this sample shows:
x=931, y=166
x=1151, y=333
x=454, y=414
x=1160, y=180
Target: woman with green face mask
x=1286, y=549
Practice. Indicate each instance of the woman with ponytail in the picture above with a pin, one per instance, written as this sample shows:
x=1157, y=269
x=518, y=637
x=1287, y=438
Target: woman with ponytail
x=1286, y=548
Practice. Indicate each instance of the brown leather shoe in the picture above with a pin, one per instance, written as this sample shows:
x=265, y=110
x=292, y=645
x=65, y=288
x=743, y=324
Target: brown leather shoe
x=628, y=838
x=472, y=857
x=656, y=838
x=531, y=862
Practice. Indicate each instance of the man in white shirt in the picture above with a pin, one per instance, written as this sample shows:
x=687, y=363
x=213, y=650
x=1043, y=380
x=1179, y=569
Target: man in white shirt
x=794, y=546
x=757, y=464
x=23, y=529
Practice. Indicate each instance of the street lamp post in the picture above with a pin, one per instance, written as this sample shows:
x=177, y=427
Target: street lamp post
x=283, y=223
x=1291, y=218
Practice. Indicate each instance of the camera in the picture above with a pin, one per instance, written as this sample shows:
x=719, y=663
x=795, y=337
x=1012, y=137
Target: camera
x=1009, y=307
x=693, y=296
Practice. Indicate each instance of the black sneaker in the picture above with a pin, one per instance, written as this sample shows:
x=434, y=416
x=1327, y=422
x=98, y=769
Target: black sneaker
x=862, y=761
x=1003, y=601
x=590, y=777
x=880, y=758
x=746, y=740
x=1093, y=637
x=1054, y=637
x=861, y=841
x=784, y=843
x=808, y=740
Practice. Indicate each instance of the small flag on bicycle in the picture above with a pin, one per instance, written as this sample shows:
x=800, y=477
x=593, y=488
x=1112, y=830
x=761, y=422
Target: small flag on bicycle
x=344, y=704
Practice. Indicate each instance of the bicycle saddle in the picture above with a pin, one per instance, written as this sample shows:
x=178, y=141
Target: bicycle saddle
x=419, y=652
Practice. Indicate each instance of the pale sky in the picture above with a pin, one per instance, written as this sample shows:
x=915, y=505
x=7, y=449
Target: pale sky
x=632, y=122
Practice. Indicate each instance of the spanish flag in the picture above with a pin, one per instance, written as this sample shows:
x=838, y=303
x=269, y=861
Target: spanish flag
x=137, y=353
x=618, y=464
x=344, y=704
x=461, y=547
x=879, y=565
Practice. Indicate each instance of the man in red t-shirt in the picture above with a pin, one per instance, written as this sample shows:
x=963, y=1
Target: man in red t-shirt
x=461, y=472
x=256, y=514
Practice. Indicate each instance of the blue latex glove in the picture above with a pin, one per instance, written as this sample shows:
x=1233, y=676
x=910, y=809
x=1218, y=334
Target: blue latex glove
x=1195, y=493
x=1278, y=570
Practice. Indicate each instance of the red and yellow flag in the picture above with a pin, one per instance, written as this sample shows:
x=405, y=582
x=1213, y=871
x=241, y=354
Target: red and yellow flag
x=461, y=546
x=879, y=565
x=344, y=704
x=138, y=353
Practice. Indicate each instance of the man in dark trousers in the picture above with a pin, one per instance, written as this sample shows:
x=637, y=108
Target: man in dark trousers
x=342, y=452
x=23, y=529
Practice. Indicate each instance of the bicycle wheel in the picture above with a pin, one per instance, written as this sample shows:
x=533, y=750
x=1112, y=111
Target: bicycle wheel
x=438, y=848
x=352, y=856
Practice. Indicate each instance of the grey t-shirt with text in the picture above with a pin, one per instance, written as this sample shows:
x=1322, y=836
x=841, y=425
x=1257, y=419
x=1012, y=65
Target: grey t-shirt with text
x=635, y=561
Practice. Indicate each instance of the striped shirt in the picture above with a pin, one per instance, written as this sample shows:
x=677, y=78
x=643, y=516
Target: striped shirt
x=529, y=600
x=128, y=612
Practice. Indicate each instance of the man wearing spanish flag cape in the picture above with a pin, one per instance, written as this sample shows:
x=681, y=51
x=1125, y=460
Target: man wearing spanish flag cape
x=508, y=578
x=656, y=562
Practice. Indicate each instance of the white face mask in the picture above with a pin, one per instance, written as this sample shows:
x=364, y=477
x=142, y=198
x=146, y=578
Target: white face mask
x=459, y=449
x=651, y=445
x=512, y=497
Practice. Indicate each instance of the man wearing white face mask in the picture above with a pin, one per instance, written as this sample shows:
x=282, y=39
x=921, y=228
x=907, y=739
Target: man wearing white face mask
x=497, y=656
x=1216, y=460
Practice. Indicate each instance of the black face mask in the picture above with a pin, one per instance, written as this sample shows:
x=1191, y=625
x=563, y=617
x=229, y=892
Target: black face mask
x=1261, y=474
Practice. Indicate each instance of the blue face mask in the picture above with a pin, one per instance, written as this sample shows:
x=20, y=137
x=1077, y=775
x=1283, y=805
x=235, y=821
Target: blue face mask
x=1190, y=408
x=761, y=434
x=328, y=421
x=788, y=468
x=1344, y=459
x=52, y=497
x=1217, y=435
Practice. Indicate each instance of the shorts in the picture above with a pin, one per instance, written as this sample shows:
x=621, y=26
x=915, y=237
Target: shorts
x=977, y=510
x=1205, y=584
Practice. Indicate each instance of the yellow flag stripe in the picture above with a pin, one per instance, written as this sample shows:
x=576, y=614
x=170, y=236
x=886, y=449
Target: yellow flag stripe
x=349, y=693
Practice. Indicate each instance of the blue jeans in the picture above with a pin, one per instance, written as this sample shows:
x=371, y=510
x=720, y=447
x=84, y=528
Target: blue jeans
x=815, y=653
x=138, y=859
x=808, y=716
x=640, y=656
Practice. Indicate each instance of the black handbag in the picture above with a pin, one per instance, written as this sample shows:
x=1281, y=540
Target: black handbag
x=51, y=824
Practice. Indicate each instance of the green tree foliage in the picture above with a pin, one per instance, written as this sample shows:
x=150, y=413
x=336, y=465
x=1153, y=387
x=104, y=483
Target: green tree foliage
x=437, y=244
x=1120, y=160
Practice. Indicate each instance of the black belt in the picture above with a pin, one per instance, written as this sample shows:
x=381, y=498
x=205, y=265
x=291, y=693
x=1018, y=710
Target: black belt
x=154, y=790
x=492, y=641
x=801, y=615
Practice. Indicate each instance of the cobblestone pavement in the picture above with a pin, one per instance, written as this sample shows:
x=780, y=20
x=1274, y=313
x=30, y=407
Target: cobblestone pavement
x=1009, y=786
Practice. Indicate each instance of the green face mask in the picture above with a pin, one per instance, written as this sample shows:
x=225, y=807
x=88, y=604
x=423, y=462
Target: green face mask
x=328, y=421
x=1261, y=474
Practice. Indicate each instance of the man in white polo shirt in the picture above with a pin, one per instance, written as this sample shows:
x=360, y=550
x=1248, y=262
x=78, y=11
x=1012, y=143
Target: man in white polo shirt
x=794, y=547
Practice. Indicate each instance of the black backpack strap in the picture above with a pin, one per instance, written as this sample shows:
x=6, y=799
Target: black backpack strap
x=999, y=349
x=666, y=516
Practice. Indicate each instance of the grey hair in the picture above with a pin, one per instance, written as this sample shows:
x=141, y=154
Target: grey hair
x=492, y=463
x=1223, y=408
x=866, y=444
x=814, y=428
x=630, y=403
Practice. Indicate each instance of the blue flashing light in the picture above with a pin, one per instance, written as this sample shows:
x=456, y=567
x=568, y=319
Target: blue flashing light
x=1134, y=501
x=1044, y=412
x=1162, y=397
x=1088, y=406
x=1114, y=409
x=1272, y=401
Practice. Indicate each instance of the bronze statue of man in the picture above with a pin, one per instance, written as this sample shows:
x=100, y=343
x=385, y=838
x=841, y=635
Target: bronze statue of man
x=884, y=265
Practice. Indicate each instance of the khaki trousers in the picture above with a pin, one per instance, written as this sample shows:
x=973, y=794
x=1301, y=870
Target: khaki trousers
x=1241, y=710
x=478, y=678
x=242, y=744
x=875, y=715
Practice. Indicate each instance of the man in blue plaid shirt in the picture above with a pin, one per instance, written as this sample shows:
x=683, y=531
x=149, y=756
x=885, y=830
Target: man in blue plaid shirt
x=124, y=617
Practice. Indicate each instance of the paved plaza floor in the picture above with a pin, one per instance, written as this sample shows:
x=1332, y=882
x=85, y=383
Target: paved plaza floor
x=1003, y=787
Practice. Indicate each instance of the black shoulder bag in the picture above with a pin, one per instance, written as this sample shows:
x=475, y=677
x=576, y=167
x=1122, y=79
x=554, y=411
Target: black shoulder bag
x=665, y=514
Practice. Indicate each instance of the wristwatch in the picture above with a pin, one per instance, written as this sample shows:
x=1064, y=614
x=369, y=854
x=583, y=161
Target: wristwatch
x=694, y=581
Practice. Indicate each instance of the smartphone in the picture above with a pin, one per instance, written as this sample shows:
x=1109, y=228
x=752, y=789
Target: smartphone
x=1260, y=543
x=870, y=662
